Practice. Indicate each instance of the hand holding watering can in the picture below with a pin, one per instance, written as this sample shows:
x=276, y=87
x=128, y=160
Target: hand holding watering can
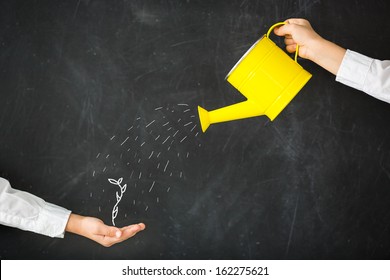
x=267, y=77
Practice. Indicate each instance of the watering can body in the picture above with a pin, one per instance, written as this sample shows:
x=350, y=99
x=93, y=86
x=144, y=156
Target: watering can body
x=267, y=77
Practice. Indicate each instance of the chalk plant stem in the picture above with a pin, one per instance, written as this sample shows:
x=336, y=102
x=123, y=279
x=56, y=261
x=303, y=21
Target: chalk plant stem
x=119, y=196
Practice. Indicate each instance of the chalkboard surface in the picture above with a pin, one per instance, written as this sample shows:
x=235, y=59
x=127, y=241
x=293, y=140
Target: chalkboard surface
x=98, y=94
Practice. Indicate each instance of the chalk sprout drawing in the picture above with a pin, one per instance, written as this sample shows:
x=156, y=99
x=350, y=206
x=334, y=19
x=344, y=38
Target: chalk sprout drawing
x=149, y=153
x=118, y=196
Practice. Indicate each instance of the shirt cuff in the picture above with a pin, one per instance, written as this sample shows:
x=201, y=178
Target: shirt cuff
x=52, y=220
x=354, y=69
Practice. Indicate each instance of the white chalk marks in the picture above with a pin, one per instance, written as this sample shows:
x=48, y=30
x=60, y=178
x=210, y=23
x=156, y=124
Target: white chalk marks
x=119, y=196
x=150, y=154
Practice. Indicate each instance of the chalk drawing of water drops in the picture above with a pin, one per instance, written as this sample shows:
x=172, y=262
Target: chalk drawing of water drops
x=149, y=153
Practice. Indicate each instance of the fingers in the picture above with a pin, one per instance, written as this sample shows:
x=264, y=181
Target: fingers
x=140, y=225
x=109, y=231
x=281, y=30
x=286, y=30
x=131, y=230
x=289, y=41
x=291, y=48
x=299, y=21
x=289, y=28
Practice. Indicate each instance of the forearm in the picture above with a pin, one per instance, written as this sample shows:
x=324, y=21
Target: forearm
x=74, y=224
x=327, y=55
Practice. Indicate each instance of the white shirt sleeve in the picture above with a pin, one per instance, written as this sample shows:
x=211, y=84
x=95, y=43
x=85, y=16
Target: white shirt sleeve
x=366, y=74
x=28, y=212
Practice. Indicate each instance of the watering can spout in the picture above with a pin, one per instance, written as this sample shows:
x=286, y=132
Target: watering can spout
x=204, y=118
x=245, y=109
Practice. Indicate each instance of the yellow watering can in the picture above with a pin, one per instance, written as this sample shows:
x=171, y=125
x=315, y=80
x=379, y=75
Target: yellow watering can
x=267, y=77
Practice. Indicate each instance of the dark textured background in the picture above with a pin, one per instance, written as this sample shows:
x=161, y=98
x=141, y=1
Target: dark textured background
x=87, y=89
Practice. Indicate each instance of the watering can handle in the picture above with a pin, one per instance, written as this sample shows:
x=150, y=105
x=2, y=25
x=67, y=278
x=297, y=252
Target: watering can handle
x=278, y=24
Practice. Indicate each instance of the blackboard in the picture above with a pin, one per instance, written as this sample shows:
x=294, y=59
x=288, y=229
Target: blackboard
x=93, y=90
